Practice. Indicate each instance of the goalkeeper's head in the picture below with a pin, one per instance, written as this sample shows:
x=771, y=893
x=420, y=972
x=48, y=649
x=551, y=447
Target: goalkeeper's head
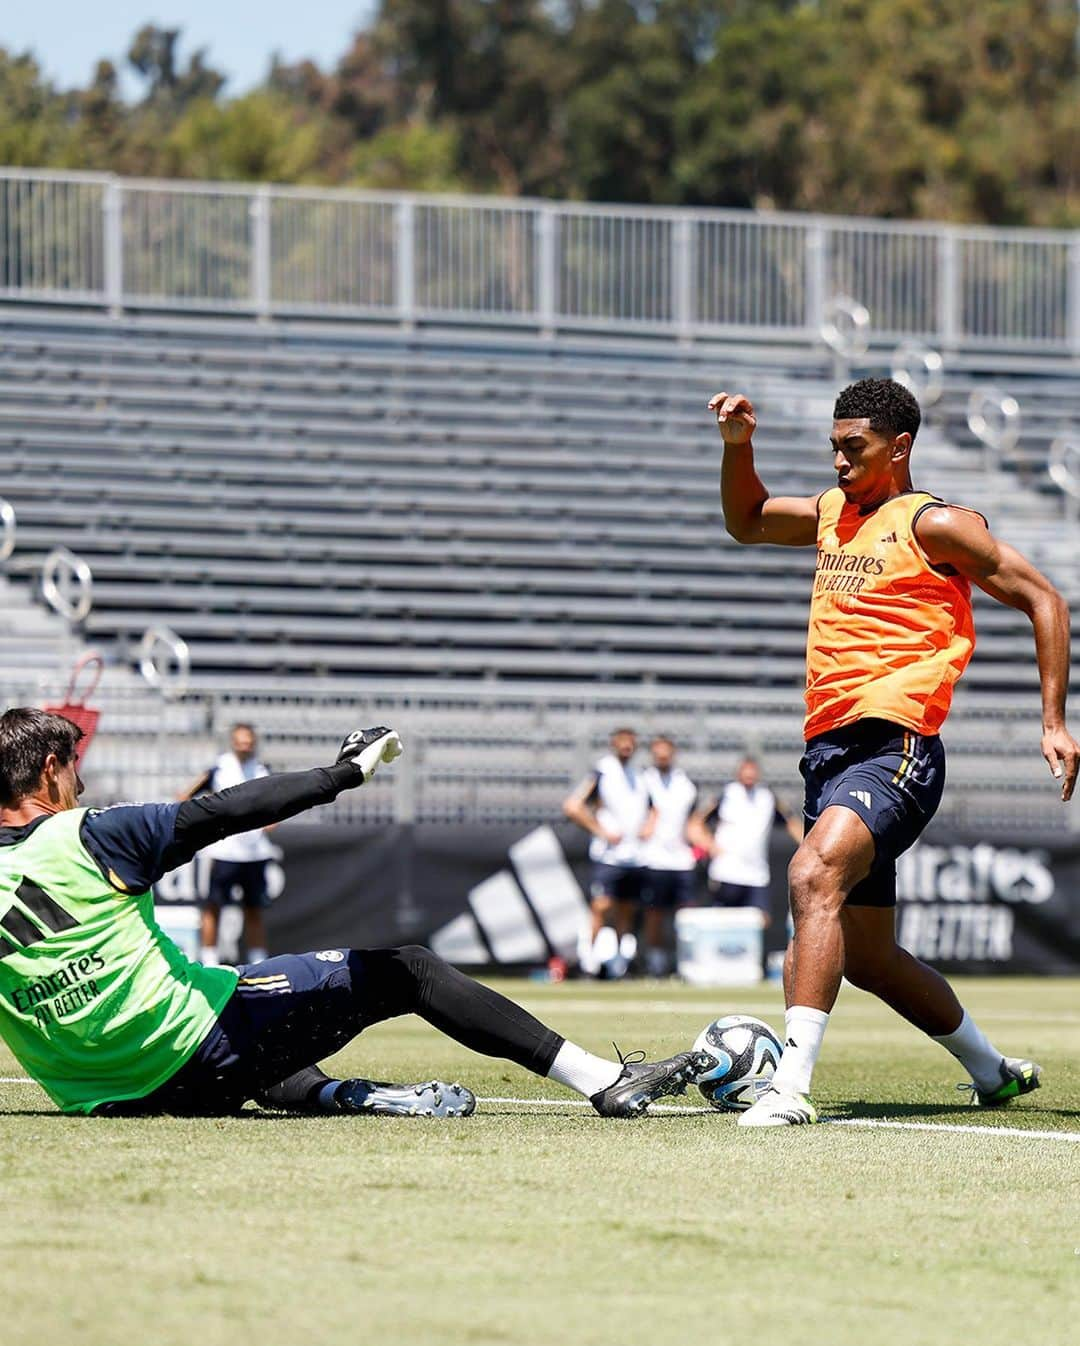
x=37, y=759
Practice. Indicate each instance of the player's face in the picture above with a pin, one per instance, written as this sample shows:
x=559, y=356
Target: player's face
x=864, y=460
x=243, y=743
x=663, y=754
x=748, y=774
x=624, y=746
x=64, y=783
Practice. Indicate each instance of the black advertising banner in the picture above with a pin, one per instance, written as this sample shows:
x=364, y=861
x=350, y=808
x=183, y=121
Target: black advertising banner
x=970, y=903
x=504, y=895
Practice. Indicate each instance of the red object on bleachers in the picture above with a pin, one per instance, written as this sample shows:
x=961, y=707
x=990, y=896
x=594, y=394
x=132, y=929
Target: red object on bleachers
x=74, y=707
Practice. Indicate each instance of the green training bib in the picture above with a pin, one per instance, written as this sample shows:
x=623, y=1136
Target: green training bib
x=96, y=1002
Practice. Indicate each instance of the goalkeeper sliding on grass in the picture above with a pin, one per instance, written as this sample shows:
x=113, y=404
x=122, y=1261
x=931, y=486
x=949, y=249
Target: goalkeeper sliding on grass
x=105, y=1012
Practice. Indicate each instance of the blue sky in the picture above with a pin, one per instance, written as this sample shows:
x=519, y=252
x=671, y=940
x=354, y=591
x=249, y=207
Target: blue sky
x=69, y=36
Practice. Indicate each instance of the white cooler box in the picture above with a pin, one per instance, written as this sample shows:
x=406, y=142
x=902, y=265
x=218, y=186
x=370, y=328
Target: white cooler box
x=720, y=946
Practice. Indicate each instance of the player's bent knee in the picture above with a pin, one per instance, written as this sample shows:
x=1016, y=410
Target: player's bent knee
x=418, y=959
x=394, y=981
x=813, y=885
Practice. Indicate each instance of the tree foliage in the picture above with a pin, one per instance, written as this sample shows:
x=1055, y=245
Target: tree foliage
x=901, y=108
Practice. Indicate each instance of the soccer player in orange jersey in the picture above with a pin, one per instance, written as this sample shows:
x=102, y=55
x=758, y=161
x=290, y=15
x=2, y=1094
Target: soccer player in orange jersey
x=890, y=633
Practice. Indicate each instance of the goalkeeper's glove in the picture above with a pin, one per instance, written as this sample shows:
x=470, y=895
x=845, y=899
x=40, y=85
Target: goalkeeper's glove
x=366, y=748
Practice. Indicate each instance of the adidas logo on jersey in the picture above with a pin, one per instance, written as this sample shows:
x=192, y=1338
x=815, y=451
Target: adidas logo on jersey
x=890, y=538
x=863, y=796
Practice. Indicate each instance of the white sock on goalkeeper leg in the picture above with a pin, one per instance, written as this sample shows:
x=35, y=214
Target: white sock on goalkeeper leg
x=581, y=1071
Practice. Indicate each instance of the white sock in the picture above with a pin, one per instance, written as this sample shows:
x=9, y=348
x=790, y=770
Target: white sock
x=209, y=957
x=804, y=1029
x=257, y=955
x=975, y=1053
x=585, y=951
x=581, y=1071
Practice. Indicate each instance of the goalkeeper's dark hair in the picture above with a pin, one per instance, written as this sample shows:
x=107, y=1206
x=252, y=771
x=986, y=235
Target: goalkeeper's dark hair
x=886, y=404
x=27, y=737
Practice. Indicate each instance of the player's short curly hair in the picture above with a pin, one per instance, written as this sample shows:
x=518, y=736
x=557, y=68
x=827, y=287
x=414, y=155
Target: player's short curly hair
x=888, y=406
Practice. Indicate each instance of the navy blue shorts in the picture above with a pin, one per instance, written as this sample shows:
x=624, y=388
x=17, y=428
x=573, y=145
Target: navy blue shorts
x=620, y=882
x=668, y=888
x=286, y=1013
x=890, y=777
x=247, y=875
x=741, y=895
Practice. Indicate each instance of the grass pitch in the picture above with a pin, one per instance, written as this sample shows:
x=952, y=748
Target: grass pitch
x=532, y=1223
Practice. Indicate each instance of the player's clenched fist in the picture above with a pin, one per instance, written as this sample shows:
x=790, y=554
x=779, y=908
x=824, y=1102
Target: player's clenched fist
x=366, y=748
x=735, y=417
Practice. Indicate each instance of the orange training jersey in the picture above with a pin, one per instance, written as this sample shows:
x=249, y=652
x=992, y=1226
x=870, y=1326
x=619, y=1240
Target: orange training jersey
x=889, y=634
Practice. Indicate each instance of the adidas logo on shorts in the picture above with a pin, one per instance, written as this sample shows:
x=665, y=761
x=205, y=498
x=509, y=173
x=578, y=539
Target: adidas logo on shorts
x=863, y=796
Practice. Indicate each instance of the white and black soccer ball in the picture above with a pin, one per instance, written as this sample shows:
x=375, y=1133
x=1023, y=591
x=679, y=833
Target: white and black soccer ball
x=745, y=1052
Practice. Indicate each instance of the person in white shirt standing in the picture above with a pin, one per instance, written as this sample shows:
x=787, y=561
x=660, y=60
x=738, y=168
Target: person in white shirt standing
x=743, y=817
x=238, y=862
x=612, y=804
x=669, y=880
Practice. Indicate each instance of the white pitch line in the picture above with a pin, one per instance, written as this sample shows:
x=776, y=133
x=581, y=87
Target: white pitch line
x=1071, y=1137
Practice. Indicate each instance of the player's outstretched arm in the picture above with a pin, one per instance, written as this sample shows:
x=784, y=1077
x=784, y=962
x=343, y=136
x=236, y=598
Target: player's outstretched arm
x=959, y=538
x=135, y=844
x=273, y=799
x=750, y=513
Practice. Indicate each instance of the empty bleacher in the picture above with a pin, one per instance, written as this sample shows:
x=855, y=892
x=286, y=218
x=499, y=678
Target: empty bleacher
x=374, y=511
x=407, y=508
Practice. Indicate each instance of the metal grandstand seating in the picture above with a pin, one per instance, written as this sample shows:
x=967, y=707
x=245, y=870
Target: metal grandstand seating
x=348, y=518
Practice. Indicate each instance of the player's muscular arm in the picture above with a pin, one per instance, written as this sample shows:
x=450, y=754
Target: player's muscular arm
x=957, y=538
x=750, y=513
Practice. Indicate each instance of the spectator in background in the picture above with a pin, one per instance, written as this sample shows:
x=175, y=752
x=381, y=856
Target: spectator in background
x=734, y=831
x=612, y=804
x=669, y=878
x=238, y=862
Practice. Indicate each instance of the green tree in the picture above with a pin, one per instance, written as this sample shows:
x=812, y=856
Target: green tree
x=259, y=137
x=417, y=157
x=153, y=54
x=924, y=108
x=33, y=125
x=622, y=107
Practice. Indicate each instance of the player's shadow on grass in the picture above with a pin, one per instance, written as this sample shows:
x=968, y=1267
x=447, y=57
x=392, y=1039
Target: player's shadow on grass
x=860, y=1111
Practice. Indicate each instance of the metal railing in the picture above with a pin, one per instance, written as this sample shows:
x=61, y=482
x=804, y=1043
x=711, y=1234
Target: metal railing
x=132, y=244
x=510, y=756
